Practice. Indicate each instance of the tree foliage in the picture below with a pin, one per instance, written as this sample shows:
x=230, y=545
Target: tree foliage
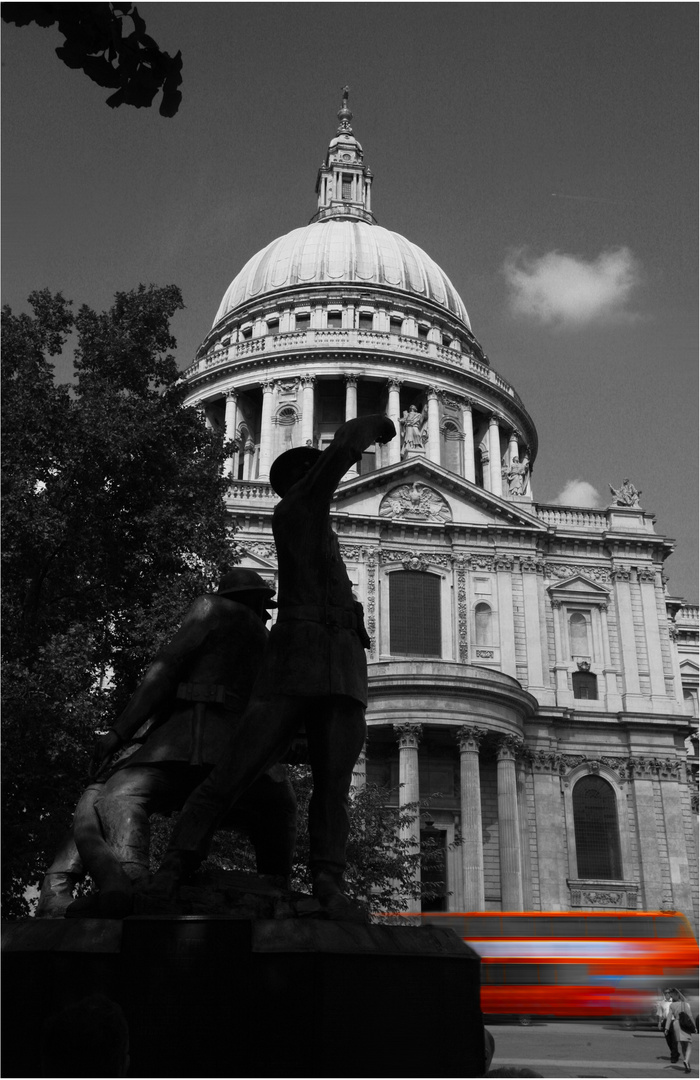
x=113, y=520
x=383, y=867
x=110, y=44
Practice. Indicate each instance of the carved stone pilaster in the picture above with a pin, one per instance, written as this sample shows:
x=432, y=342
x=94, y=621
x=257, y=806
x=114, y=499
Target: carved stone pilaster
x=307, y=380
x=371, y=621
x=531, y=566
x=545, y=761
x=645, y=573
x=504, y=562
x=620, y=573
x=462, y=613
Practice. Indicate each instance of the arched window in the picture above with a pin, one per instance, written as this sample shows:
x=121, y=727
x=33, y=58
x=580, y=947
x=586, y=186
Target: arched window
x=596, y=829
x=452, y=450
x=483, y=624
x=286, y=418
x=414, y=614
x=585, y=685
x=578, y=634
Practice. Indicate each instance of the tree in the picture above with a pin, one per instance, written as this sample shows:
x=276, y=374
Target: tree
x=96, y=42
x=382, y=867
x=114, y=519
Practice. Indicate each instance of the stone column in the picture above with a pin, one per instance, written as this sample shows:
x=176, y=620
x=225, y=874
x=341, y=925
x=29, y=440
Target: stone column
x=307, y=409
x=393, y=411
x=485, y=467
x=469, y=739
x=266, y=431
x=628, y=643
x=495, y=456
x=513, y=446
x=549, y=823
x=504, y=585
x=231, y=424
x=533, y=638
x=681, y=878
x=359, y=773
x=409, y=736
x=433, y=426
x=468, y=427
x=509, y=825
x=351, y=413
x=647, y=585
x=613, y=698
x=652, y=872
x=561, y=657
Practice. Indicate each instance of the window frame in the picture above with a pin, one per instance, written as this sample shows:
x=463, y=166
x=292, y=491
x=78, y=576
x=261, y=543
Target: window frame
x=619, y=788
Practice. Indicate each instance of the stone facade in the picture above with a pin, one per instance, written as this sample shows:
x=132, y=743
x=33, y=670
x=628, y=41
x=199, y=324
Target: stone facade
x=528, y=669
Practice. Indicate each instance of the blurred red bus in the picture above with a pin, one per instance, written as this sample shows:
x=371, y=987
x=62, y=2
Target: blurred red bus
x=574, y=964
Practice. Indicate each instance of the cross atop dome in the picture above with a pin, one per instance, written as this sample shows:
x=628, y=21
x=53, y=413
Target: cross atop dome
x=344, y=181
x=344, y=113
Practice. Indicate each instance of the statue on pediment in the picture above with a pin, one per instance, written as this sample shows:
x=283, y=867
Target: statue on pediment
x=412, y=429
x=516, y=475
x=627, y=495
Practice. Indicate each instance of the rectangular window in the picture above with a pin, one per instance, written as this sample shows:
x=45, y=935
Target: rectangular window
x=395, y=325
x=347, y=186
x=302, y=321
x=335, y=320
x=414, y=608
x=365, y=320
x=422, y=332
x=273, y=326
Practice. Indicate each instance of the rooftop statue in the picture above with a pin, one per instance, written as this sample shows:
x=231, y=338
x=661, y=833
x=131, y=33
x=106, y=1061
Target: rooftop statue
x=178, y=722
x=313, y=677
x=627, y=495
x=412, y=424
x=516, y=475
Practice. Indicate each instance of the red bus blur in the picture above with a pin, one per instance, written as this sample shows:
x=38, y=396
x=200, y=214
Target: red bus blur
x=574, y=964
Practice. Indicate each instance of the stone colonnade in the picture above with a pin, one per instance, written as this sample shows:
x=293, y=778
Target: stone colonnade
x=469, y=740
x=490, y=449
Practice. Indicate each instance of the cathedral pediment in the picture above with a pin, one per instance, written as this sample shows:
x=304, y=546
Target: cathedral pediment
x=420, y=491
x=579, y=587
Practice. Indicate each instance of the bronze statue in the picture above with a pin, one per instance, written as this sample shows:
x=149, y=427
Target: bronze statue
x=182, y=717
x=313, y=677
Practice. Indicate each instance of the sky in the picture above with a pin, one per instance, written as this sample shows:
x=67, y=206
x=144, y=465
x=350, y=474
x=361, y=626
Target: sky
x=544, y=155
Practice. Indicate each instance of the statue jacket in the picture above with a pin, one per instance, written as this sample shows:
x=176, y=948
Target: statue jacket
x=193, y=694
x=317, y=645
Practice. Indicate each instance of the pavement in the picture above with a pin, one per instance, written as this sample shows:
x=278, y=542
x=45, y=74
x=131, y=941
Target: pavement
x=587, y=1050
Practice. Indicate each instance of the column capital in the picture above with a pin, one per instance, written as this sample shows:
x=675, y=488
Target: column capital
x=351, y=378
x=645, y=573
x=494, y=418
x=267, y=385
x=231, y=395
x=514, y=436
x=307, y=380
x=620, y=573
x=432, y=392
x=509, y=746
x=468, y=403
x=556, y=604
x=408, y=735
x=469, y=737
x=394, y=384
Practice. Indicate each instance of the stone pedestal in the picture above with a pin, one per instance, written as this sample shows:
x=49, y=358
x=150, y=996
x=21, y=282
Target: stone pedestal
x=220, y=996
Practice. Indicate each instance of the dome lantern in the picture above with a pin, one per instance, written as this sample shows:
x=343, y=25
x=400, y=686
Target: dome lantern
x=344, y=181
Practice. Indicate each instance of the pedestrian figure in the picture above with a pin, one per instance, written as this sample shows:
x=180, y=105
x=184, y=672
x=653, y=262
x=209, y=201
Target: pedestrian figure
x=663, y=1005
x=680, y=1020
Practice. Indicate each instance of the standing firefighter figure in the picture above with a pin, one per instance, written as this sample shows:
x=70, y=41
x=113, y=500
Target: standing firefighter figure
x=314, y=675
x=182, y=716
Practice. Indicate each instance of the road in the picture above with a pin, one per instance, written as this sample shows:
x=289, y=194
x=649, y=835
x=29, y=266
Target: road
x=581, y=1049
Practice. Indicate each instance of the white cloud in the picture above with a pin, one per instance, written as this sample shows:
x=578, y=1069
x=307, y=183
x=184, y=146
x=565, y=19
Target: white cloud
x=567, y=290
x=577, y=493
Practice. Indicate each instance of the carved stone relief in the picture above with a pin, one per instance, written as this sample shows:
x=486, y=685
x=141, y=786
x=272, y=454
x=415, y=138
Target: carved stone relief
x=415, y=501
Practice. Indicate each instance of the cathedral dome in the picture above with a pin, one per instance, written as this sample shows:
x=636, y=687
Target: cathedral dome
x=342, y=250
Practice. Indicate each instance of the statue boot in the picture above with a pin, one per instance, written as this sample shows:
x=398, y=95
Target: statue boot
x=327, y=888
x=56, y=894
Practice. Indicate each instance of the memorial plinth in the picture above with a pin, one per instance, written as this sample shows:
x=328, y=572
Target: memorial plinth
x=222, y=996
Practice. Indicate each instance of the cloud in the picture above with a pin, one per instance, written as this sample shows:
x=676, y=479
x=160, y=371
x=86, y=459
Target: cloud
x=566, y=290
x=577, y=493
